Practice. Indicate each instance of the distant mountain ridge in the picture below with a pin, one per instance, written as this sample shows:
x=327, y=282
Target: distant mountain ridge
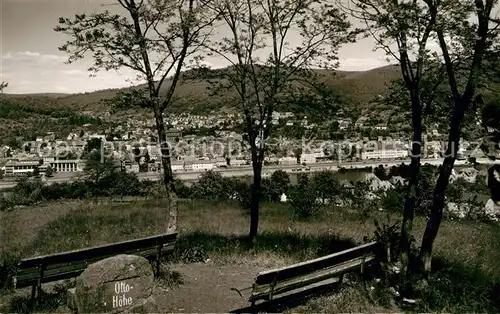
x=356, y=87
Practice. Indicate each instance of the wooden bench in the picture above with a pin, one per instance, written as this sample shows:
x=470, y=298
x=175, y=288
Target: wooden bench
x=287, y=280
x=48, y=268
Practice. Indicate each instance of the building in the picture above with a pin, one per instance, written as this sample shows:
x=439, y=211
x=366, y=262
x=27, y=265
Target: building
x=220, y=162
x=21, y=166
x=287, y=161
x=75, y=165
x=310, y=158
x=381, y=127
x=238, y=162
x=384, y=150
x=199, y=165
x=177, y=165
x=173, y=133
x=344, y=124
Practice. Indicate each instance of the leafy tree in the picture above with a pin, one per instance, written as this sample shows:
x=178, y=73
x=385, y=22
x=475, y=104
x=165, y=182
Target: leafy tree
x=49, y=172
x=297, y=153
x=36, y=172
x=491, y=144
x=473, y=40
x=333, y=129
x=154, y=38
x=302, y=199
x=255, y=26
x=409, y=24
x=325, y=185
x=380, y=172
x=124, y=183
x=211, y=186
x=425, y=189
x=97, y=167
x=280, y=180
x=3, y=85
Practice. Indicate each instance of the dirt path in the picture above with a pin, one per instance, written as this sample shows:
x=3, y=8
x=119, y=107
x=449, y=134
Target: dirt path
x=207, y=288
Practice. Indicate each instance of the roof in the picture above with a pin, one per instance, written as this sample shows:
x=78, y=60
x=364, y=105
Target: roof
x=22, y=162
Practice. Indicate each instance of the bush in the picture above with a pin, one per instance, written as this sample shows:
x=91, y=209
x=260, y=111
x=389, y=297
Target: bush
x=8, y=265
x=325, y=185
x=211, y=186
x=29, y=192
x=303, y=202
x=182, y=190
x=393, y=200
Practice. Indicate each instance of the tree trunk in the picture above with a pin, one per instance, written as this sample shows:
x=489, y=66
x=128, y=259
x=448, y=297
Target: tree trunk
x=168, y=178
x=436, y=214
x=410, y=202
x=254, y=206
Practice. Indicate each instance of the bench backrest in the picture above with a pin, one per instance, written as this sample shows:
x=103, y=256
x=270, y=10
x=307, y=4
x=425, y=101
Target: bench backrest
x=311, y=266
x=97, y=251
x=69, y=264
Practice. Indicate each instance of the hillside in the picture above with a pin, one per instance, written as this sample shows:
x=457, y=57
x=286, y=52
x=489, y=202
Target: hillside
x=27, y=116
x=354, y=88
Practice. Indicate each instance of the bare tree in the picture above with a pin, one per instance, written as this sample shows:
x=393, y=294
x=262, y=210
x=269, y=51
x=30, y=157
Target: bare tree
x=3, y=85
x=296, y=36
x=458, y=39
x=403, y=29
x=154, y=38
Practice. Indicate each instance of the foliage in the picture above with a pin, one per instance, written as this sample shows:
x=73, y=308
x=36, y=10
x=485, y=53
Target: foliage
x=381, y=173
x=388, y=235
x=99, y=168
x=326, y=186
x=181, y=189
x=275, y=186
x=29, y=106
x=425, y=190
x=303, y=200
x=261, y=85
x=154, y=39
x=211, y=186
x=3, y=85
x=393, y=200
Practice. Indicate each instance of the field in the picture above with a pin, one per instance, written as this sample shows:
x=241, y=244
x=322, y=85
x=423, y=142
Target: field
x=212, y=248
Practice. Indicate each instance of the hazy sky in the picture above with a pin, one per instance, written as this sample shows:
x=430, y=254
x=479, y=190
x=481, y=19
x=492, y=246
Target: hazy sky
x=31, y=63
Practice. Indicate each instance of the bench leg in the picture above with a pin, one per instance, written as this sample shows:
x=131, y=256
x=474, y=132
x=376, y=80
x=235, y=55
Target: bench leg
x=158, y=256
x=34, y=294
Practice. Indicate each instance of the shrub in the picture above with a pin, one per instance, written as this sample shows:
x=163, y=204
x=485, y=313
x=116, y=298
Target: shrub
x=182, y=190
x=211, y=186
x=393, y=200
x=325, y=185
x=8, y=265
x=303, y=202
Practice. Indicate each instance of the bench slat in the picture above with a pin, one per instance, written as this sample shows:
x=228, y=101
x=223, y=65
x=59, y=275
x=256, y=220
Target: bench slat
x=55, y=272
x=70, y=264
x=103, y=250
x=262, y=292
x=311, y=266
x=146, y=252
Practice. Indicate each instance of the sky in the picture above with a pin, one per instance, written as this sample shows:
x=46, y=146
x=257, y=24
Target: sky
x=31, y=62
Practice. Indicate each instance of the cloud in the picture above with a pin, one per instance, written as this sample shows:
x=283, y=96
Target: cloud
x=362, y=64
x=35, y=72
x=29, y=54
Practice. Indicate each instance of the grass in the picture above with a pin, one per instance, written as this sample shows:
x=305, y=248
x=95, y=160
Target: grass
x=466, y=265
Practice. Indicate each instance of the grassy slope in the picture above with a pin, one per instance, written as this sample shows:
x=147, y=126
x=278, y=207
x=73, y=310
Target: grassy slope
x=467, y=254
